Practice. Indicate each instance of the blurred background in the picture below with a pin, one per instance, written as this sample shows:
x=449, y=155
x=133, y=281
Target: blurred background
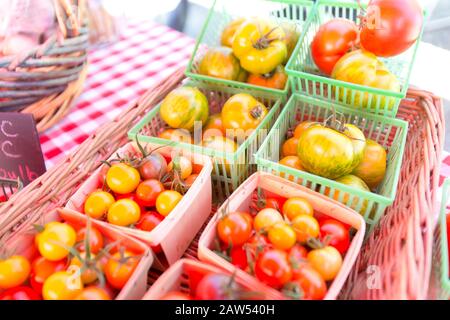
x=431, y=72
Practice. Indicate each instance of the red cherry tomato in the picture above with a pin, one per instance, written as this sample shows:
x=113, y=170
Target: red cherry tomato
x=275, y=203
x=41, y=269
x=391, y=27
x=333, y=40
x=147, y=192
x=149, y=221
x=335, y=234
x=310, y=282
x=297, y=254
x=95, y=239
x=20, y=293
x=215, y=286
x=238, y=257
x=272, y=268
x=235, y=228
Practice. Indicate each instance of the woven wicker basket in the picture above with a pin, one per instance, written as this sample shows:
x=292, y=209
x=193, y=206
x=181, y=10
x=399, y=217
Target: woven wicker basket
x=46, y=80
x=400, y=246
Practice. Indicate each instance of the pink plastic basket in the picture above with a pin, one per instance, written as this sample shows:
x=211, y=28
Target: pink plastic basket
x=185, y=274
x=176, y=232
x=22, y=242
x=242, y=199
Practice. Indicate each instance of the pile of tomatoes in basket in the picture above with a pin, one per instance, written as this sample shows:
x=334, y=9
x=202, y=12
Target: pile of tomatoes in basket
x=285, y=245
x=349, y=53
x=253, y=50
x=140, y=191
x=71, y=263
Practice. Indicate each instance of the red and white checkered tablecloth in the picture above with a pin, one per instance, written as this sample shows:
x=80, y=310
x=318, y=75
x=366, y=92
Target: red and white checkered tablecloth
x=118, y=75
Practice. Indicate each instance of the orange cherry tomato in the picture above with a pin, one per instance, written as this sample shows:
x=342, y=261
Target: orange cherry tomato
x=290, y=147
x=14, y=271
x=120, y=268
x=282, y=236
x=147, y=192
x=93, y=293
x=309, y=281
x=235, y=228
x=62, y=285
x=305, y=227
x=266, y=218
x=276, y=79
x=301, y=127
x=167, y=201
x=327, y=261
x=98, y=203
x=42, y=268
x=296, y=206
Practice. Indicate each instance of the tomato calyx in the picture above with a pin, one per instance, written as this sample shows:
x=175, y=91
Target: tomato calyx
x=293, y=290
x=315, y=243
x=257, y=112
x=264, y=41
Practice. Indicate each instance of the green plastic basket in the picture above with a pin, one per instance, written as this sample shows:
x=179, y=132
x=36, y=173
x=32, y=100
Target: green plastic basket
x=390, y=133
x=306, y=77
x=241, y=163
x=441, y=287
x=223, y=12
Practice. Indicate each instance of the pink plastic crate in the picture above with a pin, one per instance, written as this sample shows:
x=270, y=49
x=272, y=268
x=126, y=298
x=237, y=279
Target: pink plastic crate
x=178, y=229
x=242, y=199
x=23, y=243
x=185, y=274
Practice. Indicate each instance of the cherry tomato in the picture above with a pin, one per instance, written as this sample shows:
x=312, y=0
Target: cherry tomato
x=167, y=201
x=296, y=206
x=93, y=293
x=154, y=166
x=20, y=293
x=275, y=203
x=147, y=192
x=335, y=234
x=257, y=244
x=53, y=242
x=305, y=227
x=41, y=269
x=266, y=218
x=238, y=257
x=122, y=178
x=275, y=79
x=62, y=285
x=272, y=268
x=124, y=212
x=14, y=271
x=132, y=197
x=334, y=39
x=327, y=261
x=289, y=147
x=189, y=181
x=183, y=166
x=97, y=204
x=215, y=286
x=95, y=239
x=149, y=220
x=310, y=282
x=391, y=27
x=282, y=236
x=301, y=127
x=119, y=269
x=89, y=267
x=297, y=254
x=175, y=295
x=235, y=228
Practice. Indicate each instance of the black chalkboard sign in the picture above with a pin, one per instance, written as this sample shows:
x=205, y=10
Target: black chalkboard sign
x=20, y=150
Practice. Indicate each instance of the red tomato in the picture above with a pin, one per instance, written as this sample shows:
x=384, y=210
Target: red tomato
x=310, y=282
x=41, y=269
x=215, y=286
x=238, y=257
x=391, y=27
x=335, y=234
x=149, y=221
x=275, y=203
x=333, y=40
x=272, y=268
x=235, y=228
x=95, y=239
x=297, y=254
x=147, y=192
x=20, y=293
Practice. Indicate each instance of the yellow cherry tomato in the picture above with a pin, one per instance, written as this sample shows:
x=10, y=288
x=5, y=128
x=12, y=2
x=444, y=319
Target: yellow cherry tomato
x=242, y=114
x=122, y=178
x=305, y=227
x=53, y=242
x=98, y=203
x=327, y=261
x=183, y=165
x=167, y=201
x=124, y=212
x=266, y=218
x=260, y=46
x=282, y=236
x=62, y=285
x=14, y=271
x=296, y=206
